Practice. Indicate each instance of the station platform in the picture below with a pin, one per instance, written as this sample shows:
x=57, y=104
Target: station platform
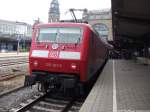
x=123, y=86
x=9, y=54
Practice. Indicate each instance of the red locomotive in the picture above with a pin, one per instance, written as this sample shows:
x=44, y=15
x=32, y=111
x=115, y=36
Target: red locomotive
x=65, y=55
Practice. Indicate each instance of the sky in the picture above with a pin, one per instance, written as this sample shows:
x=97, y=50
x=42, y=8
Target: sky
x=29, y=10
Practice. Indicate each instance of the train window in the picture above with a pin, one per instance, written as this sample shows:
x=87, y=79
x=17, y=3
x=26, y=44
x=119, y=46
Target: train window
x=47, y=35
x=60, y=35
x=70, y=35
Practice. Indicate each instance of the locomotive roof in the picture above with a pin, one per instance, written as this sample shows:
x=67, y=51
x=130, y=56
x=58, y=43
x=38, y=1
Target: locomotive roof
x=64, y=24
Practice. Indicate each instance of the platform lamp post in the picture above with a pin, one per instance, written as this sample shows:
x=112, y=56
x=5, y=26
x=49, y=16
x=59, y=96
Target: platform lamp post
x=18, y=45
x=24, y=43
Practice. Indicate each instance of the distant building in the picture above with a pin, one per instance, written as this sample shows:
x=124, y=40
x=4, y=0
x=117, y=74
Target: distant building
x=54, y=13
x=101, y=20
x=11, y=32
x=8, y=29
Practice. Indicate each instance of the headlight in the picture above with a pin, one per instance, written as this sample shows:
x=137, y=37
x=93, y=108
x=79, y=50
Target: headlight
x=73, y=66
x=35, y=63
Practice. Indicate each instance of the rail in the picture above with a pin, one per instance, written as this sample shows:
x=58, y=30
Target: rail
x=55, y=105
x=11, y=91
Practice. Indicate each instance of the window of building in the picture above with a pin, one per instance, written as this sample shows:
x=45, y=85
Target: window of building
x=92, y=17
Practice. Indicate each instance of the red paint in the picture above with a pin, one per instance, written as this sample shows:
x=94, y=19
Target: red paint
x=93, y=53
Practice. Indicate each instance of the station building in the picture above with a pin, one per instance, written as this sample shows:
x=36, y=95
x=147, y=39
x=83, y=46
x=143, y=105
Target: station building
x=13, y=33
x=101, y=20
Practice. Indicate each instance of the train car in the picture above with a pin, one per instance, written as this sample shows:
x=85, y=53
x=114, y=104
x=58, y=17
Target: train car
x=65, y=55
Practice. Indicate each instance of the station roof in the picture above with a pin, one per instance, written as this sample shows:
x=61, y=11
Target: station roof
x=131, y=21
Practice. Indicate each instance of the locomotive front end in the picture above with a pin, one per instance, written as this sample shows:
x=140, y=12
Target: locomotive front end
x=55, y=56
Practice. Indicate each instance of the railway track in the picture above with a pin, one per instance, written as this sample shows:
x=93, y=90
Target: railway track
x=10, y=91
x=13, y=63
x=12, y=57
x=14, y=97
x=12, y=71
x=9, y=76
x=4, y=63
x=47, y=103
x=12, y=67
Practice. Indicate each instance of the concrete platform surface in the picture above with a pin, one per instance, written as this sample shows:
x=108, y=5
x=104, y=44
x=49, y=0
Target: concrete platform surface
x=123, y=86
x=9, y=54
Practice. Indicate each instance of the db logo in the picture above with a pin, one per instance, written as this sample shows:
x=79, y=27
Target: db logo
x=53, y=54
x=55, y=46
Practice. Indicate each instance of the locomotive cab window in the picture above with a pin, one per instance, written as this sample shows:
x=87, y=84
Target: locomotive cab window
x=60, y=35
x=47, y=35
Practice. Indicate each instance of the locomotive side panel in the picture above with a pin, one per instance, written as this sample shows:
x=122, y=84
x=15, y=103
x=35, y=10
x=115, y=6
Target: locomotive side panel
x=97, y=54
x=85, y=55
